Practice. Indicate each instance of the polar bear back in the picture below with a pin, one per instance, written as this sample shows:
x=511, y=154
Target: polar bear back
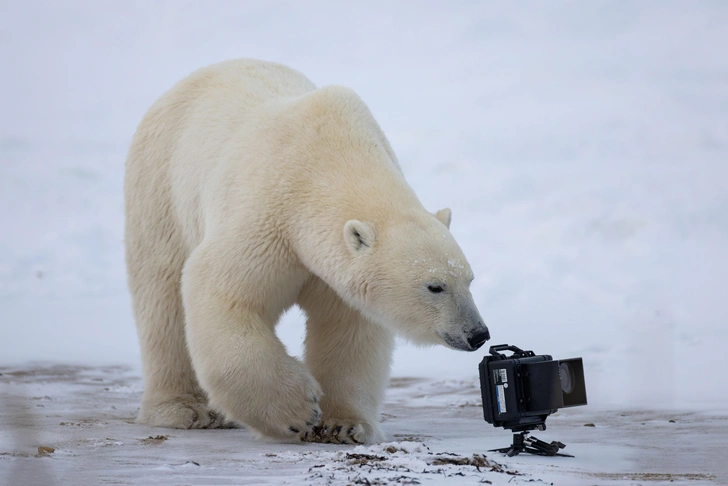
x=222, y=138
x=181, y=143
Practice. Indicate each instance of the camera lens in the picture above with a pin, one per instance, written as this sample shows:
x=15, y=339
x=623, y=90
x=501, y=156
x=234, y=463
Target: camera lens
x=567, y=378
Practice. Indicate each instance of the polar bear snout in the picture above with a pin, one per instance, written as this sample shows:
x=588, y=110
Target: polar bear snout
x=469, y=340
x=477, y=340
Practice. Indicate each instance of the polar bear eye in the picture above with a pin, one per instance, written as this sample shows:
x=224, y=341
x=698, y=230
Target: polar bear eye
x=435, y=289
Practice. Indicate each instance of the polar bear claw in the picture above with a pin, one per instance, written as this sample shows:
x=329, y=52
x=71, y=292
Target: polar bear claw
x=337, y=431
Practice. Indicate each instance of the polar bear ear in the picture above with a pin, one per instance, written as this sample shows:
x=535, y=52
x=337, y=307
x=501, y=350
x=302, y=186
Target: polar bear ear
x=359, y=236
x=445, y=216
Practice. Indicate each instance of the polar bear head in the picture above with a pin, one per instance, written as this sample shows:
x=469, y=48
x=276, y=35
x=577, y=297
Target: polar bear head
x=411, y=276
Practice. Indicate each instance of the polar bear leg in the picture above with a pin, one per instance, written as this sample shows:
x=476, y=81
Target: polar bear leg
x=239, y=360
x=172, y=396
x=350, y=357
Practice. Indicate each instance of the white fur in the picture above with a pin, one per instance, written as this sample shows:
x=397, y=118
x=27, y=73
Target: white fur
x=247, y=191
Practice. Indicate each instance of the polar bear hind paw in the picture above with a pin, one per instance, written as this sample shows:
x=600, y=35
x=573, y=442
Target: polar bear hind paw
x=183, y=413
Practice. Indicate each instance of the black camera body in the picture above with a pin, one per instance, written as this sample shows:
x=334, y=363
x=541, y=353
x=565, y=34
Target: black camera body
x=521, y=390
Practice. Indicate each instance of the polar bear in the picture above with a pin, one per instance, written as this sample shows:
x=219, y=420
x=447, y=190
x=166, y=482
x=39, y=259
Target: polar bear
x=247, y=191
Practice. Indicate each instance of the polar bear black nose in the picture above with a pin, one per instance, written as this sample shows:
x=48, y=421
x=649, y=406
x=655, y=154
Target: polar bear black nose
x=478, y=339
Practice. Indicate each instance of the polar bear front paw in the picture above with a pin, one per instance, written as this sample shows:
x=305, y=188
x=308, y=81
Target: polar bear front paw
x=335, y=431
x=309, y=425
x=304, y=420
x=185, y=412
x=287, y=409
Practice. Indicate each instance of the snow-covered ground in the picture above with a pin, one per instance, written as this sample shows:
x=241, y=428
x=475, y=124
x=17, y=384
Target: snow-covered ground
x=583, y=148
x=436, y=427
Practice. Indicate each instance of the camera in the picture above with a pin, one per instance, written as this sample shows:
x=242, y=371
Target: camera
x=521, y=390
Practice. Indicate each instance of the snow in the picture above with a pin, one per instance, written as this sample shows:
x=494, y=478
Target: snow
x=86, y=415
x=582, y=147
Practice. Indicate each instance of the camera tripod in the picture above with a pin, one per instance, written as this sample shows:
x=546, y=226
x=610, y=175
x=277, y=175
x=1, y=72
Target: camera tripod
x=532, y=445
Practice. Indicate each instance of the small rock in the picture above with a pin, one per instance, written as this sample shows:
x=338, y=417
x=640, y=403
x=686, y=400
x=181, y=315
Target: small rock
x=44, y=450
x=589, y=425
x=154, y=440
x=672, y=421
